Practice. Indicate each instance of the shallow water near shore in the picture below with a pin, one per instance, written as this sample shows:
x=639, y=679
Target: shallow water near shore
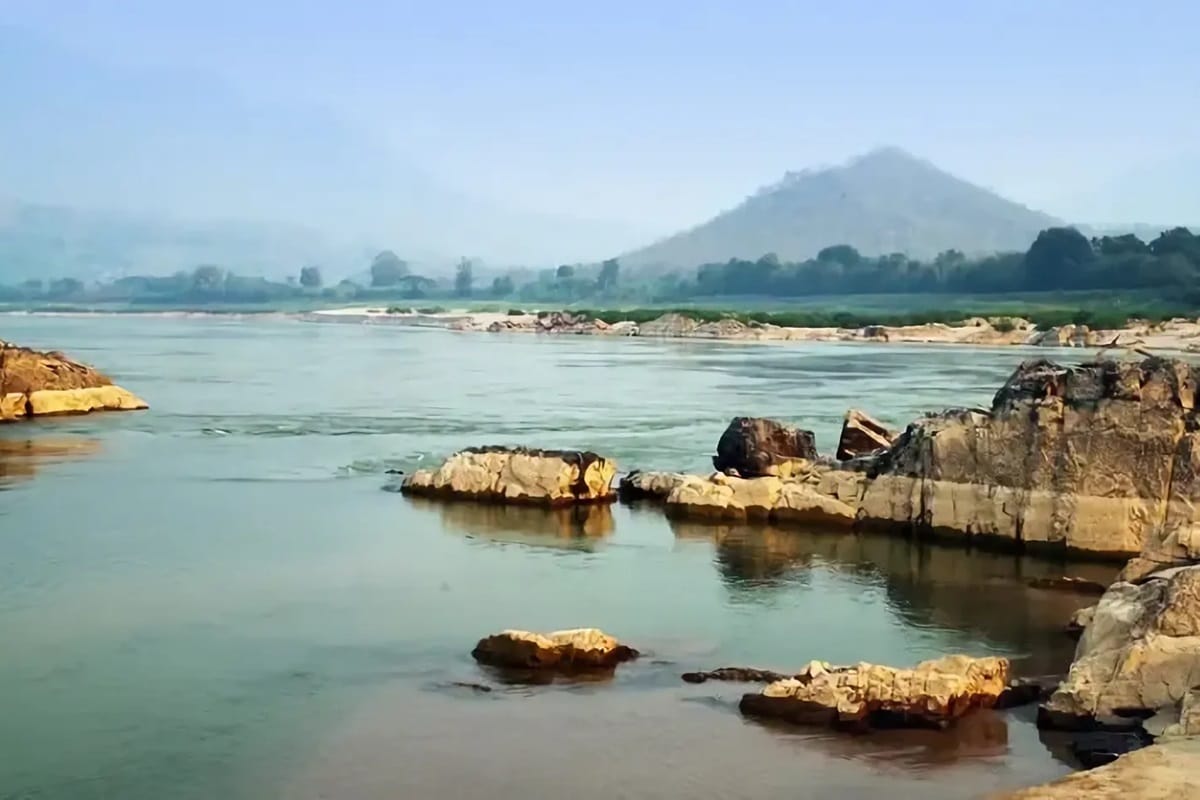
x=215, y=598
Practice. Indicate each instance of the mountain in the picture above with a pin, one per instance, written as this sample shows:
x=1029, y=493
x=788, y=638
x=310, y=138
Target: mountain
x=46, y=241
x=883, y=202
x=138, y=144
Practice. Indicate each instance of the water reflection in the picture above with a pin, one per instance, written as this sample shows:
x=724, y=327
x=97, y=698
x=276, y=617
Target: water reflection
x=20, y=459
x=983, y=734
x=980, y=593
x=572, y=528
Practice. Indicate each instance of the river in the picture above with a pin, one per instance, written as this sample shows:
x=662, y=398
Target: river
x=216, y=598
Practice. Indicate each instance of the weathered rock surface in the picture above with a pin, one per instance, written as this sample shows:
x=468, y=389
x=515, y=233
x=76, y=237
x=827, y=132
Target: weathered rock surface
x=1139, y=653
x=753, y=447
x=1164, y=771
x=581, y=649
x=799, y=500
x=638, y=485
x=34, y=383
x=934, y=693
x=1096, y=458
x=518, y=475
x=863, y=435
x=1101, y=459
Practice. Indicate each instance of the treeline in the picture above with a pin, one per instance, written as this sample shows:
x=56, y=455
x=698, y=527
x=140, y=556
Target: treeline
x=1059, y=259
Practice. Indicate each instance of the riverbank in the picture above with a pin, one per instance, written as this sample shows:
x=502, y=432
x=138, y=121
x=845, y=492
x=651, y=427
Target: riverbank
x=1175, y=335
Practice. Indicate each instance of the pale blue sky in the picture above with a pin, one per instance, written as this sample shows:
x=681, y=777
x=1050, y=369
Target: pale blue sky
x=659, y=114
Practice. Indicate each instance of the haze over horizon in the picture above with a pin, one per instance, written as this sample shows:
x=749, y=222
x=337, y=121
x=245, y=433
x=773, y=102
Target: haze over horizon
x=599, y=128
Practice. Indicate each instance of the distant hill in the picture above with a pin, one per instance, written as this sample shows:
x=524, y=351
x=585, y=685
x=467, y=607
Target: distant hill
x=883, y=202
x=47, y=241
x=139, y=143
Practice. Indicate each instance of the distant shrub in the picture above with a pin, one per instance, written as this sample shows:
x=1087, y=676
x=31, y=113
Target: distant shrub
x=1005, y=325
x=398, y=310
x=516, y=312
x=431, y=310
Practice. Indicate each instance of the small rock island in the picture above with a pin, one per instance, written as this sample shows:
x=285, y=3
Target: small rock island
x=35, y=383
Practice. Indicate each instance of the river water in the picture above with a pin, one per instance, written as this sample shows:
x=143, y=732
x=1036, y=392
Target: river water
x=215, y=598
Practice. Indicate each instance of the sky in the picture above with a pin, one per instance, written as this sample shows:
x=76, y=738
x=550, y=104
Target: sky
x=651, y=116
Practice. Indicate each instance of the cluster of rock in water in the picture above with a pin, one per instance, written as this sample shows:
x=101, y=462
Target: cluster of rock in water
x=1100, y=460
x=33, y=383
x=974, y=330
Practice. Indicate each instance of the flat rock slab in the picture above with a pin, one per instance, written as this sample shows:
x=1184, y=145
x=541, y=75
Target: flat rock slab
x=518, y=476
x=932, y=694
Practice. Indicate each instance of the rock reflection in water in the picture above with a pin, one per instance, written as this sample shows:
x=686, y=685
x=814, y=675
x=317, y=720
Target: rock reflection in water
x=20, y=459
x=573, y=528
x=983, y=734
x=926, y=584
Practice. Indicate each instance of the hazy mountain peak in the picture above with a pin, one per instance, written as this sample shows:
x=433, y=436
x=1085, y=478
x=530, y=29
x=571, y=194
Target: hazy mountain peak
x=886, y=200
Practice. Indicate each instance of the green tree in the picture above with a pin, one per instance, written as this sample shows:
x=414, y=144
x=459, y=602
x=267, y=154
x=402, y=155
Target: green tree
x=842, y=254
x=1057, y=258
x=310, y=277
x=610, y=272
x=387, y=269
x=564, y=272
x=463, y=278
x=503, y=286
x=207, y=278
x=1177, y=241
x=65, y=287
x=1120, y=245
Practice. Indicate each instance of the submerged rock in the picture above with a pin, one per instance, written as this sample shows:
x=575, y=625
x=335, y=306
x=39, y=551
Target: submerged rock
x=754, y=447
x=34, y=383
x=1165, y=771
x=518, y=475
x=735, y=675
x=932, y=694
x=581, y=649
x=863, y=435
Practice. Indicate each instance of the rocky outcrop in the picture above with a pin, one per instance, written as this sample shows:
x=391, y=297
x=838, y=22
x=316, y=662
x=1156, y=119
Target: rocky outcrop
x=1101, y=459
x=932, y=694
x=862, y=435
x=1066, y=336
x=800, y=500
x=519, y=476
x=753, y=447
x=578, y=650
x=34, y=383
x=1096, y=458
x=1139, y=653
x=1165, y=771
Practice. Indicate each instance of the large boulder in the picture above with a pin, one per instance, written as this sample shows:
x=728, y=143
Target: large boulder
x=34, y=383
x=581, y=649
x=863, y=435
x=1139, y=653
x=518, y=475
x=752, y=447
x=1165, y=771
x=932, y=694
x=1098, y=458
